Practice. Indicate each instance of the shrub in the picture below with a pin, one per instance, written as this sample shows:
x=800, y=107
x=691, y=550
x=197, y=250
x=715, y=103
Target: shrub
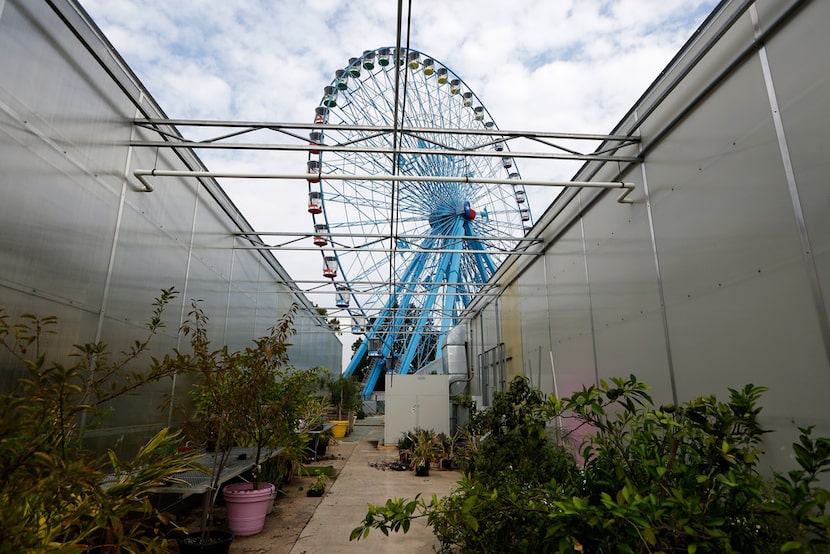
x=344, y=395
x=250, y=397
x=651, y=479
x=55, y=495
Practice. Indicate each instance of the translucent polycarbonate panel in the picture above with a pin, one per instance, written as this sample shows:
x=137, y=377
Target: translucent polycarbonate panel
x=802, y=93
x=511, y=330
x=137, y=278
x=569, y=304
x=535, y=328
x=740, y=290
x=734, y=278
x=58, y=89
x=46, y=207
x=82, y=239
x=740, y=241
x=625, y=302
x=490, y=324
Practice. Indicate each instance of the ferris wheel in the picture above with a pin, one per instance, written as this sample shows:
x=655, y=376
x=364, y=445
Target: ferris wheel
x=407, y=234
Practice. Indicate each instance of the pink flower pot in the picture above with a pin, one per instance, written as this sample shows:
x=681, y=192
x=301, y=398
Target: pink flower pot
x=247, y=507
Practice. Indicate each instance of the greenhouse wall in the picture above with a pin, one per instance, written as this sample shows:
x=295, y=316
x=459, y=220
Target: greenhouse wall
x=83, y=240
x=718, y=274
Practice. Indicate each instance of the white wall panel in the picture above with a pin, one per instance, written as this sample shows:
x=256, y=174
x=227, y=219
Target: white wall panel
x=802, y=90
x=627, y=316
x=535, y=328
x=570, y=313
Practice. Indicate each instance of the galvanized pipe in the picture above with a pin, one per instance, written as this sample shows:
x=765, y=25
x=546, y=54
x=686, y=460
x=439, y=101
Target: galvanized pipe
x=197, y=145
x=142, y=174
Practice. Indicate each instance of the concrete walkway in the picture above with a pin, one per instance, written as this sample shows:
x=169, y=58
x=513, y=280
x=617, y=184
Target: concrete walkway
x=359, y=484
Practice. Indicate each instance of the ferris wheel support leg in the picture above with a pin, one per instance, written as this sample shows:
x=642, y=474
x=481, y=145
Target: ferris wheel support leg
x=373, y=379
x=409, y=354
x=414, y=344
x=447, y=272
x=449, y=307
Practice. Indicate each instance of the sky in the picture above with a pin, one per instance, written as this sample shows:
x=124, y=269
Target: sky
x=573, y=66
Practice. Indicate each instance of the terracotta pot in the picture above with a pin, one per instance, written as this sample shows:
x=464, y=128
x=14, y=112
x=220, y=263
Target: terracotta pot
x=247, y=507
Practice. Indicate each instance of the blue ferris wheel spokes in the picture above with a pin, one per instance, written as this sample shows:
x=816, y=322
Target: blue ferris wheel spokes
x=418, y=249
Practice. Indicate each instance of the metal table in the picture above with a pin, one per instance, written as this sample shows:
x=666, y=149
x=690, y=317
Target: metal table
x=239, y=461
x=317, y=433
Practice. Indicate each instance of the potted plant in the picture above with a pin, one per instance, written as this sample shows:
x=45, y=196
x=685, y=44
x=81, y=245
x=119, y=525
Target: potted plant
x=214, y=423
x=313, y=424
x=427, y=447
x=277, y=395
x=404, y=445
x=450, y=446
x=318, y=487
x=250, y=397
x=293, y=453
x=314, y=413
x=345, y=398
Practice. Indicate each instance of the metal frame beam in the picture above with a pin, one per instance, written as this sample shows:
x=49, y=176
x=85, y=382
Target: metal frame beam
x=143, y=174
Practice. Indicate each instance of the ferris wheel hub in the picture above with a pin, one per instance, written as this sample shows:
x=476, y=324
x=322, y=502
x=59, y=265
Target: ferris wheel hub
x=469, y=212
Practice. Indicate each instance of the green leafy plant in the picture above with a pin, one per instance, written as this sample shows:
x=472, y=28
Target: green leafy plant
x=312, y=423
x=248, y=397
x=645, y=479
x=463, y=401
x=271, y=471
x=314, y=412
x=344, y=394
x=55, y=494
x=509, y=442
x=295, y=451
x=318, y=486
x=669, y=477
x=426, y=447
x=405, y=441
x=801, y=501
